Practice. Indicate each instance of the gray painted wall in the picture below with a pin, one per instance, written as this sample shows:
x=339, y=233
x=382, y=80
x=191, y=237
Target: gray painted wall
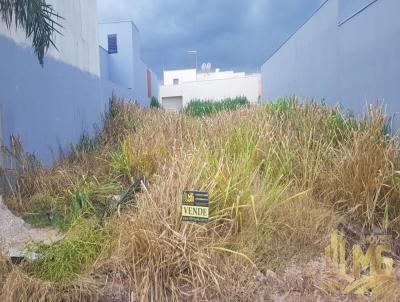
x=104, y=64
x=347, y=9
x=51, y=106
x=348, y=60
x=154, y=85
x=78, y=43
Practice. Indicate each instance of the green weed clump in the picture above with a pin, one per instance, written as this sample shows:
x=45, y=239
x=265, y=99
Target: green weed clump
x=207, y=107
x=283, y=107
x=129, y=162
x=63, y=261
x=88, y=198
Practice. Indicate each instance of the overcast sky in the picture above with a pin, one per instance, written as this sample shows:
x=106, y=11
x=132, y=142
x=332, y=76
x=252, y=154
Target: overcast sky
x=231, y=34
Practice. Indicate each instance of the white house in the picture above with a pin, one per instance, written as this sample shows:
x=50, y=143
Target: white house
x=182, y=86
x=121, y=62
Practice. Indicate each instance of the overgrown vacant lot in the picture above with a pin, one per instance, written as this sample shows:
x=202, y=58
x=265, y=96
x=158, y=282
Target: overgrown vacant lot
x=281, y=178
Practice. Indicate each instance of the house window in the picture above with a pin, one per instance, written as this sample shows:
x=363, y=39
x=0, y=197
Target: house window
x=176, y=81
x=112, y=44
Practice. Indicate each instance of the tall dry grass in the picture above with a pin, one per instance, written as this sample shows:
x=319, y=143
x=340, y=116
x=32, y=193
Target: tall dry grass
x=361, y=181
x=280, y=178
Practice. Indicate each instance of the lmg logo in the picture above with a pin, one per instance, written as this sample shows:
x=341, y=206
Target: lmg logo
x=370, y=261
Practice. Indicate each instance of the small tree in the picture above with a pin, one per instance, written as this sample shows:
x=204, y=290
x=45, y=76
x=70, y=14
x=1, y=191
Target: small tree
x=154, y=103
x=36, y=18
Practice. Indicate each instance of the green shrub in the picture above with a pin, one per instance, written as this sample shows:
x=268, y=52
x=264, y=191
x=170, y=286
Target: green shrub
x=40, y=206
x=154, y=103
x=86, y=199
x=120, y=119
x=339, y=126
x=89, y=199
x=207, y=107
x=122, y=159
x=283, y=107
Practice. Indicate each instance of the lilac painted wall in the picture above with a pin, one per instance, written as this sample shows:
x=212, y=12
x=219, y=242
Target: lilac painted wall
x=353, y=61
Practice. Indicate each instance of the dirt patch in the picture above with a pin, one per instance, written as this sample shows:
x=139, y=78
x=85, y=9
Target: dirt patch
x=15, y=233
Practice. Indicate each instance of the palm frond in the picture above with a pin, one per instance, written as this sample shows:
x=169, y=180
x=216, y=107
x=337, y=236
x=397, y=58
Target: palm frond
x=36, y=18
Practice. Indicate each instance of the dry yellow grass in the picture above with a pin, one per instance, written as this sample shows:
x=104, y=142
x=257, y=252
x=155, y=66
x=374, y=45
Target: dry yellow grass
x=280, y=179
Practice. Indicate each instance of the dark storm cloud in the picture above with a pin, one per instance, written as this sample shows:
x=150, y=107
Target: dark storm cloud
x=234, y=34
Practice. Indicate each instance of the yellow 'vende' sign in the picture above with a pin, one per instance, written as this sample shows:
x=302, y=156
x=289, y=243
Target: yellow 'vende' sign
x=195, y=206
x=193, y=211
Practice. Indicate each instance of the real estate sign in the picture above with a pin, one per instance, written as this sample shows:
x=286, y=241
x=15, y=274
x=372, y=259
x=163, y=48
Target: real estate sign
x=195, y=206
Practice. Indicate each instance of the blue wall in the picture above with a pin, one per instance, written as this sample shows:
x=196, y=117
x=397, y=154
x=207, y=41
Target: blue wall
x=348, y=9
x=350, y=61
x=51, y=106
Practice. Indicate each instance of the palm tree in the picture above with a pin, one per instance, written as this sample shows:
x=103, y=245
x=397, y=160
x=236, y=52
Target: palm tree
x=36, y=18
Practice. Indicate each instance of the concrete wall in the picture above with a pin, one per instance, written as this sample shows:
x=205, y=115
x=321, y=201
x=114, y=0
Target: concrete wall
x=140, y=70
x=141, y=81
x=79, y=40
x=348, y=52
x=307, y=64
x=51, y=107
x=154, y=85
x=215, y=89
x=104, y=64
x=348, y=9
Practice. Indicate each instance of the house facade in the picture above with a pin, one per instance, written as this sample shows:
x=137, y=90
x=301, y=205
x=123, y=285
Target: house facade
x=348, y=52
x=121, y=60
x=52, y=106
x=182, y=86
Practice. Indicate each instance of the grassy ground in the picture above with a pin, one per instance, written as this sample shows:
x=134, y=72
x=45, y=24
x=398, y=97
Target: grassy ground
x=201, y=108
x=281, y=178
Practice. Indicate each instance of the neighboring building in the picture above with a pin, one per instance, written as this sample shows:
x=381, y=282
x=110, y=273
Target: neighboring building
x=51, y=107
x=347, y=52
x=182, y=86
x=121, y=59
